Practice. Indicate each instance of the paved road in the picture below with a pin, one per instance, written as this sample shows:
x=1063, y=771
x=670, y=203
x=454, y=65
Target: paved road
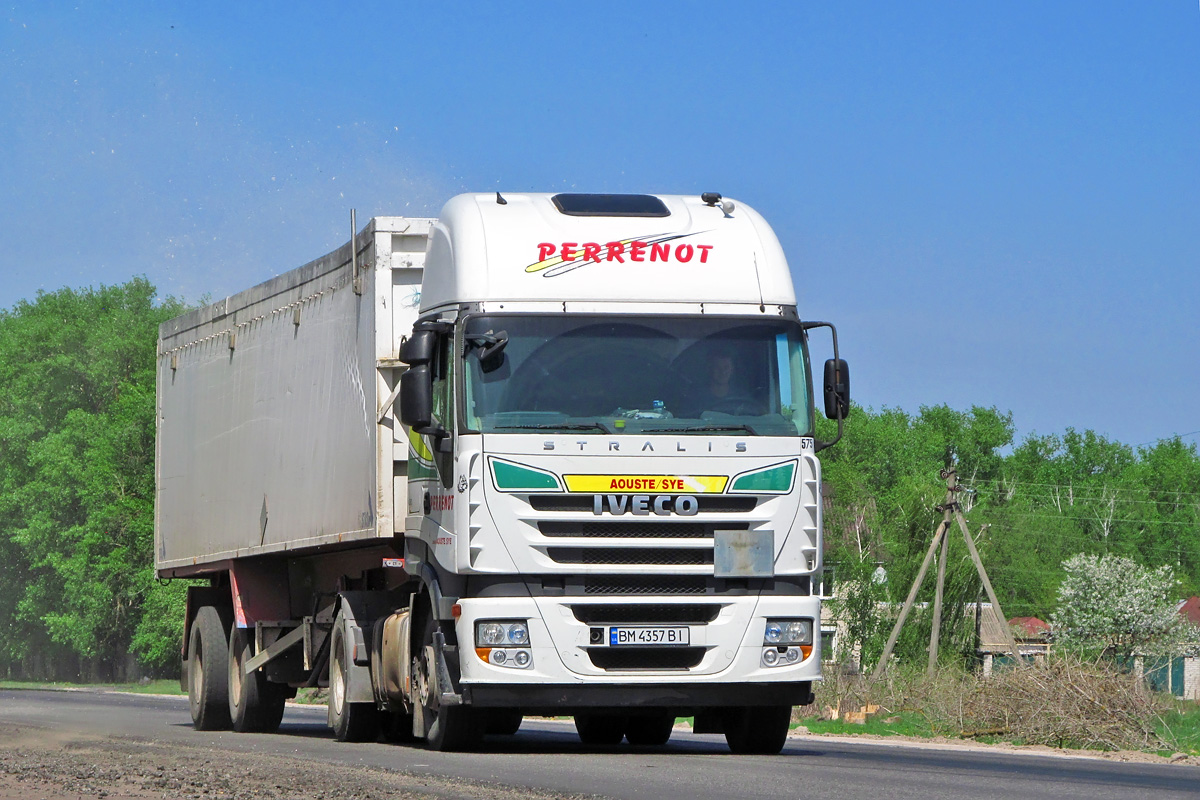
x=547, y=755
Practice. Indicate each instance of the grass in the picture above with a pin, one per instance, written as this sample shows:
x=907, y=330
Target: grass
x=1181, y=726
x=906, y=723
x=161, y=686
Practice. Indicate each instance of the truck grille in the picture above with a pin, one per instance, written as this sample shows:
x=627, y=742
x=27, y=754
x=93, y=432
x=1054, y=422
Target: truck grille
x=644, y=584
x=646, y=613
x=707, y=504
x=637, y=556
x=635, y=530
x=639, y=658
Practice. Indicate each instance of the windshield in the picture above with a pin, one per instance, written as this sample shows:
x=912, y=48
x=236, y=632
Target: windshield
x=644, y=375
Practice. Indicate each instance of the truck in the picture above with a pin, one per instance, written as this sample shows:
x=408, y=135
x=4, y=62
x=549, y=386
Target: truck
x=547, y=454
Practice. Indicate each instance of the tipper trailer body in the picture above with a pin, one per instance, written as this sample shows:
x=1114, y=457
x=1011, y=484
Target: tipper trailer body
x=546, y=454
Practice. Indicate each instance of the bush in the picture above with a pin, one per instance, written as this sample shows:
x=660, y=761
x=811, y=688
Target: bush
x=1066, y=701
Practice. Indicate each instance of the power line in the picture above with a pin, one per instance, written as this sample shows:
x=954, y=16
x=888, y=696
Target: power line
x=1168, y=438
x=1072, y=487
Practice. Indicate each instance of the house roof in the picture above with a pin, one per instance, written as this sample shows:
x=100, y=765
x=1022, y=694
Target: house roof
x=992, y=637
x=1190, y=610
x=1032, y=627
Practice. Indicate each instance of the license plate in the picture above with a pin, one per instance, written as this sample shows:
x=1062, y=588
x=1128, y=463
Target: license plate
x=647, y=636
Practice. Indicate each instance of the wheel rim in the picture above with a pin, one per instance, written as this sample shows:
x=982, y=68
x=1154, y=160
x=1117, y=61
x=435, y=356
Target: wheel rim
x=235, y=673
x=197, y=672
x=428, y=701
x=337, y=686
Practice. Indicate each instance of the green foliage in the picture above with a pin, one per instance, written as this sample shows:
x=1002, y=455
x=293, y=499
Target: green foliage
x=1031, y=506
x=77, y=477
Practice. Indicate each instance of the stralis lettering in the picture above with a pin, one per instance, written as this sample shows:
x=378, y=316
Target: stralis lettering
x=643, y=505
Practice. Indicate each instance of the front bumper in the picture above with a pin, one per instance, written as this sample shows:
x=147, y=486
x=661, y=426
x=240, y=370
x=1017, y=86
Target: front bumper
x=567, y=668
x=685, y=699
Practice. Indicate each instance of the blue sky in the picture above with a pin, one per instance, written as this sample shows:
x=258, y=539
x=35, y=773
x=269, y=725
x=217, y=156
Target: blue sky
x=997, y=204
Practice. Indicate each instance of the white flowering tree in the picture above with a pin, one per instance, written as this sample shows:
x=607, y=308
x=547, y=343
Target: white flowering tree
x=1117, y=606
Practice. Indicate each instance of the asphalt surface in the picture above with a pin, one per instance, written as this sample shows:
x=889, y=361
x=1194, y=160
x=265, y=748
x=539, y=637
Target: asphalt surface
x=546, y=756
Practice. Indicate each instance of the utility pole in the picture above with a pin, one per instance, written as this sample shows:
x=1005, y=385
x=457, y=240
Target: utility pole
x=951, y=511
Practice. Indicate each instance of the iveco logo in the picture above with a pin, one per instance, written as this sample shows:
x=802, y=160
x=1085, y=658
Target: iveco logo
x=663, y=505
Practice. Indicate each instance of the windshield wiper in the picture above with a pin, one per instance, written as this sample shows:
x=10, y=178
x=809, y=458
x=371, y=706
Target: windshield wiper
x=566, y=426
x=704, y=429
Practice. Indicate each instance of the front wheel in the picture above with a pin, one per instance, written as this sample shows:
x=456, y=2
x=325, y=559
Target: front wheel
x=758, y=730
x=600, y=729
x=208, y=661
x=650, y=731
x=446, y=727
x=503, y=722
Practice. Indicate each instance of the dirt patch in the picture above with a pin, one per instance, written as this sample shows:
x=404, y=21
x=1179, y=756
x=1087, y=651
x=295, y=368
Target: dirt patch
x=41, y=765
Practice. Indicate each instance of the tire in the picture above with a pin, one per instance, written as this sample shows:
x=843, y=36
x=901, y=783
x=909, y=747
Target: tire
x=759, y=730
x=449, y=727
x=650, y=731
x=503, y=722
x=255, y=704
x=208, y=664
x=396, y=727
x=601, y=729
x=351, y=722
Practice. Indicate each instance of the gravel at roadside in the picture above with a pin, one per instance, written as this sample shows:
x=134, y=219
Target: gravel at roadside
x=39, y=765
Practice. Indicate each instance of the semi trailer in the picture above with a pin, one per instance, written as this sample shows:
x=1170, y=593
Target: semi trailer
x=547, y=454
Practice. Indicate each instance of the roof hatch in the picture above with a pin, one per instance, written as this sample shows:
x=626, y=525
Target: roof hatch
x=610, y=205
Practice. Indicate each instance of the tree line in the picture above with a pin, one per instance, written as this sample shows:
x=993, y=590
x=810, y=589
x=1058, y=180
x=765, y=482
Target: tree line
x=1032, y=505
x=77, y=407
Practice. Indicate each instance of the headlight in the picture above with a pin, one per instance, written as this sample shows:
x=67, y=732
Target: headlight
x=489, y=633
x=497, y=643
x=518, y=633
x=788, y=631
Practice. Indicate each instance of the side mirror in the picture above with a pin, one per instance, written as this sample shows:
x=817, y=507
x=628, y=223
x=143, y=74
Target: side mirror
x=837, y=389
x=419, y=348
x=416, y=396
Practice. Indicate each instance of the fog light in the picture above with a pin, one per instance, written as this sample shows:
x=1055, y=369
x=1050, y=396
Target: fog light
x=770, y=656
x=792, y=655
x=522, y=658
x=499, y=656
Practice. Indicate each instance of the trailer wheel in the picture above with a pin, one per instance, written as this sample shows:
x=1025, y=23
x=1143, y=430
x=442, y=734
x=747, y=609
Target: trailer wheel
x=601, y=728
x=758, y=730
x=446, y=727
x=351, y=722
x=255, y=704
x=208, y=662
x=503, y=721
x=650, y=731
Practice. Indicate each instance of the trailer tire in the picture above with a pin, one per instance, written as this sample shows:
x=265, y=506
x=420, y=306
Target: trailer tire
x=758, y=730
x=446, y=727
x=208, y=663
x=650, y=731
x=601, y=729
x=255, y=704
x=351, y=722
x=503, y=721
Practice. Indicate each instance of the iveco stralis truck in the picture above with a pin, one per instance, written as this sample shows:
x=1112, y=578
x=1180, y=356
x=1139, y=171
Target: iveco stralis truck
x=543, y=455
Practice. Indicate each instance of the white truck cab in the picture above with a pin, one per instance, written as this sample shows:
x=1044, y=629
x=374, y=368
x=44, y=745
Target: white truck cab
x=613, y=482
